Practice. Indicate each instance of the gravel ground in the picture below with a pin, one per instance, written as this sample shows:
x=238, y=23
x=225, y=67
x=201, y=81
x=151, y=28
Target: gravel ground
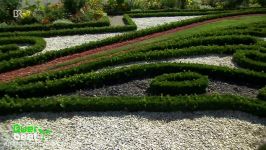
x=143, y=23
x=231, y=88
x=140, y=88
x=132, y=88
x=61, y=42
x=116, y=21
x=140, y=130
x=216, y=60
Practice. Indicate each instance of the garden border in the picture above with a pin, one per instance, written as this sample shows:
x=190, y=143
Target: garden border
x=92, y=46
x=151, y=104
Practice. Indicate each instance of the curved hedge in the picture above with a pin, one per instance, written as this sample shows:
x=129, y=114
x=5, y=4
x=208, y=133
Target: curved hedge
x=101, y=23
x=10, y=50
x=114, y=76
x=74, y=31
x=179, y=84
x=28, y=61
x=262, y=94
x=253, y=60
x=166, y=104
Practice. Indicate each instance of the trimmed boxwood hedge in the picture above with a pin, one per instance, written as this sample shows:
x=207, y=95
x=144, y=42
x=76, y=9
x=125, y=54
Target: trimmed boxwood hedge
x=187, y=10
x=262, y=93
x=179, y=84
x=102, y=22
x=28, y=61
x=10, y=50
x=75, y=31
x=253, y=60
x=154, y=104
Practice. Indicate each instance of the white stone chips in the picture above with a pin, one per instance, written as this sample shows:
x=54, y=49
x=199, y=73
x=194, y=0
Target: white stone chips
x=215, y=60
x=146, y=130
x=143, y=23
x=62, y=42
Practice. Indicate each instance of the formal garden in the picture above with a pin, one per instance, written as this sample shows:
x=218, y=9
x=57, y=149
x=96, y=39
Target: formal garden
x=175, y=74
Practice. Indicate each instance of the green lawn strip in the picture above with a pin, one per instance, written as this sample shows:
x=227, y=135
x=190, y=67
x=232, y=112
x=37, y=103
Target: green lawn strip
x=151, y=104
x=154, y=41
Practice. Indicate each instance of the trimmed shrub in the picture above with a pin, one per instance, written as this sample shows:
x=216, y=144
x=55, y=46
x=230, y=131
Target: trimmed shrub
x=253, y=60
x=154, y=104
x=179, y=84
x=11, y=51
x=73, y=6
x=262, y=3
x=114, y=76
x=37, y=27
x=262, y=94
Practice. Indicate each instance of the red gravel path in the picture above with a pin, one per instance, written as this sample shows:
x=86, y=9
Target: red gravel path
x=8, y=76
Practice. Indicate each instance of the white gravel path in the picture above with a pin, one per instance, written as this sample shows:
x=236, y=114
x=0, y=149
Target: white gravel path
x=142, y=130
x=215, y=60
x=143, y=23
x=62, y=42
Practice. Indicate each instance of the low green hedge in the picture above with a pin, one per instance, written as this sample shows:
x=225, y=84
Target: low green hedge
x=75, y=31
x=154, y=104
x=262, y=93
x=11, y=51
x=167, y=14
x=102, y=22
x=179, y=84
x=253, y=60
x=187, y=10
x=176, y=12
x=8, y=47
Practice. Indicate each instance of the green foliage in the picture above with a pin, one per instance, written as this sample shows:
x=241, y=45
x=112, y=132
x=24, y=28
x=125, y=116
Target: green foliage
x=262, y=3
x=100, y=23
x=262, y=94
x=53, y=12
x=179, y=84
x=262, y=147
x=73, y=6
x=38, y=44
x=62, y=21
x=28, y=88
x=253, y=60
x=116, y=7
x=227, y=41
x=163, y=104
x=225, y=4
x=6, y=9
x=169, y=3
x=146, y=4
